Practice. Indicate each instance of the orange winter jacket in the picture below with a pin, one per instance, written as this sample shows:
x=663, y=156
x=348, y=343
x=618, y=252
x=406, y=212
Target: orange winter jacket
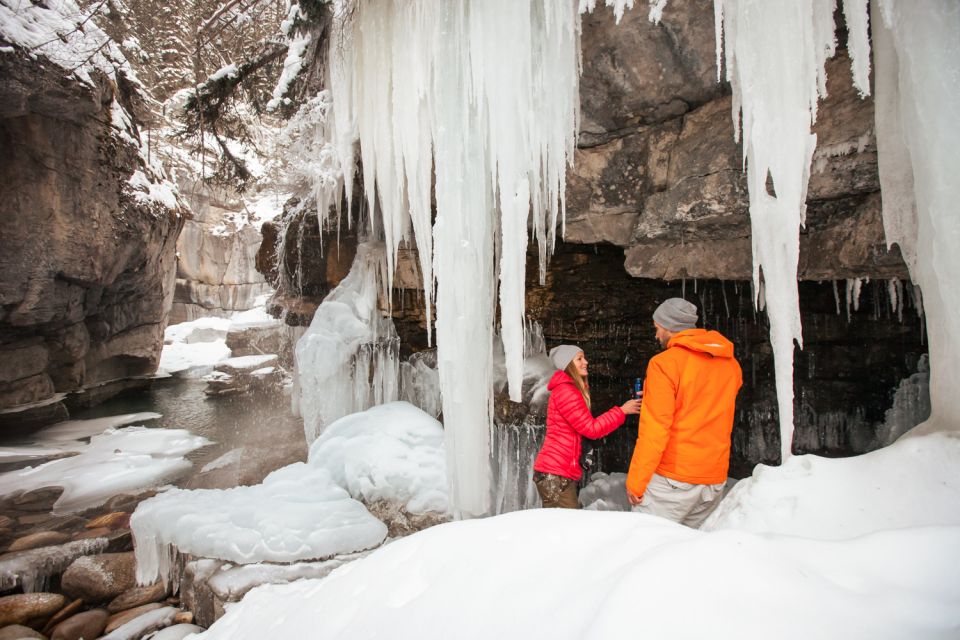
x=687, y=412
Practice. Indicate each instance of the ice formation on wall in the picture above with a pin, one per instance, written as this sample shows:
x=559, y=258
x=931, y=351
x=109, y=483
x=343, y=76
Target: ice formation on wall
x=348, y=359
x=917, y=61
x=482, y=98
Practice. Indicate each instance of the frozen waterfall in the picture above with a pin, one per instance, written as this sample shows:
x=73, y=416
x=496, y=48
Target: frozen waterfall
x=476, y=102
x=348, y=360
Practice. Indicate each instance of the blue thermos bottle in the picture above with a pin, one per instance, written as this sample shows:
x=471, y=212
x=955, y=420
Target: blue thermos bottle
x=637, y=387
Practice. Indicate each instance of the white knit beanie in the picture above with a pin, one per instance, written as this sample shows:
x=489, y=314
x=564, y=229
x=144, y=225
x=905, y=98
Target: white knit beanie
x=563, y=354
x=676, y=314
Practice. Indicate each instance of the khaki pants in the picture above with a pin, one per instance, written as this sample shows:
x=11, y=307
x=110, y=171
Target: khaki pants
x=556, y=492
x=683, y=502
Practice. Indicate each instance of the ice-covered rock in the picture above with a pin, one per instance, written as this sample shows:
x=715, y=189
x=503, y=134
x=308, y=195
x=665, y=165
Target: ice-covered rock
x=30, y=570
x=144, y=624
x=297, y=513
x=388, y=453
x=116, y=461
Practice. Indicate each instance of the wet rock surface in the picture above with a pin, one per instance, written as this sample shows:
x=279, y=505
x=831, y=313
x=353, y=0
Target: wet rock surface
x=85, y=301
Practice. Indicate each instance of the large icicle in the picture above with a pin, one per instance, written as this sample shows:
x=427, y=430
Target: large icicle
x=775, y=50
x=917, y=62
x=480, y=97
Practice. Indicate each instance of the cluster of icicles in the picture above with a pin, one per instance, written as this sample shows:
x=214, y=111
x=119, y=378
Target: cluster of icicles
x=473, y=105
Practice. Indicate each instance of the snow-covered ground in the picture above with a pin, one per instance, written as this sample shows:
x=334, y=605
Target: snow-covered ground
x=863, y=547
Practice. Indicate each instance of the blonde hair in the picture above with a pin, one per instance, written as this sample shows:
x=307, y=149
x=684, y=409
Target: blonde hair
x=580, y=382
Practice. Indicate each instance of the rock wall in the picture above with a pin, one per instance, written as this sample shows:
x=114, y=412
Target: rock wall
x=216, y=255
x=87, y=266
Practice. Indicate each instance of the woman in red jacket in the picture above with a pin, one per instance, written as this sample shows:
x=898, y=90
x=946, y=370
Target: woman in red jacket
x=557, y=467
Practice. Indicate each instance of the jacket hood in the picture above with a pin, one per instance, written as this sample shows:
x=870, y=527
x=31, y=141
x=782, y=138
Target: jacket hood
x=710, y=342
x=560, y=377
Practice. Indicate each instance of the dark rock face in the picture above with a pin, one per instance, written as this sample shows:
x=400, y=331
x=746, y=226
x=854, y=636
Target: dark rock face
x=304, y=262
x=844, y=378
x=86, y=271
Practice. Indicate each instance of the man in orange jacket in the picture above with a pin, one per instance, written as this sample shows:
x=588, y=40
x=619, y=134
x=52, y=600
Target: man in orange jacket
x=682, y=454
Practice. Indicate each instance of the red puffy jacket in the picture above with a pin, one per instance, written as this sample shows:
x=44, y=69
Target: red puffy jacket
x=568, y=419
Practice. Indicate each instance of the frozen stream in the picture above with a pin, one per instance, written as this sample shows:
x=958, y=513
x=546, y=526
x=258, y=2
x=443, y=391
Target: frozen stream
x=249, y=435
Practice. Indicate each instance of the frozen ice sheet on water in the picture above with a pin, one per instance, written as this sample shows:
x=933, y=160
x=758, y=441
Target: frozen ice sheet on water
x=116, y=461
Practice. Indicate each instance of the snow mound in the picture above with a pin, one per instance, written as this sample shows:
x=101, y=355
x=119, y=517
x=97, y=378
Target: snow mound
x=392, y=452
x=297, y=513
x=115, y=461
x=893, y=575
x=914, y=482
x=631, y=569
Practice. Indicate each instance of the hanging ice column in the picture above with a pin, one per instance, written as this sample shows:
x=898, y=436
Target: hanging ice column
x=917, y=60
x=775, y=52
x=483, y=97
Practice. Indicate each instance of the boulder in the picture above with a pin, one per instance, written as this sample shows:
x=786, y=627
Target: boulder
x=89, y=624
x=99, y=578
x=23, y=607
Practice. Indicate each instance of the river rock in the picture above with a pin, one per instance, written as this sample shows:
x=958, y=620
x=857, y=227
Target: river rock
x=21, y=607
x=177, y=632
x=115, y=520
x=38, y=539
x=138, y=596
x=86, y=625
x=144, y=624
x=99, y=578
x=18, y=632
x=117, y=620
x=184, y=617
x=121, y=502
x=37, y=500
x=62, y=615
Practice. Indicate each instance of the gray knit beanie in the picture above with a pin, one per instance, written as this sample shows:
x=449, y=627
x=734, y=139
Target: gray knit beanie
x=563, y=354
x=676, y=314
